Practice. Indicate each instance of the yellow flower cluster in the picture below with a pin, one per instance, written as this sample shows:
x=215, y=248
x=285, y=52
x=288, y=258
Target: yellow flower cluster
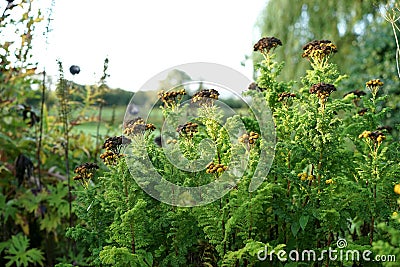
x=113, y=147
x=85, y=171
x=329, y=181
x=216, y=168
x=319, y=50
x=374, y=83
x=110, y=158
x=376, y=136
x=284, y=95
x=373, y=86
x=205, y=97
x=137, y=126
x=304, y=176
x=171, y=98
x=187, y=129
x=397, y=189
x=249, y=138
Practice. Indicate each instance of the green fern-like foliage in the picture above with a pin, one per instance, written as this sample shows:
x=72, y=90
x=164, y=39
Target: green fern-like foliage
x=331, y=178
x=18, y=252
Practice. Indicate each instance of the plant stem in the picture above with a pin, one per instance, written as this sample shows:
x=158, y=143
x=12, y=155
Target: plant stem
x=98, y=132
x=39, y=147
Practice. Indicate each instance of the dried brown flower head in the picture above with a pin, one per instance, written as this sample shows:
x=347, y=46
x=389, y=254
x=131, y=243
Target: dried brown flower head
x=265, y=44
x=85, y=171
x=171, y=98
x=188, y=129
x=113, y=146
x=115, y=143
x=137, y=126
x=254, y=86
x=322, y=90
x=285, y=95
x=205, y=97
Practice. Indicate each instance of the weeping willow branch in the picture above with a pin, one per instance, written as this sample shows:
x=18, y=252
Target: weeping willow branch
x=392, y=16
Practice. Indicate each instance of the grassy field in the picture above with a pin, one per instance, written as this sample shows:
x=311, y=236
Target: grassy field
x=111, y=121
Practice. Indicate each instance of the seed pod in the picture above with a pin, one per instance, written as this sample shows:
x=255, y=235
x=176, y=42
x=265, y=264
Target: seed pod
x=74, y=69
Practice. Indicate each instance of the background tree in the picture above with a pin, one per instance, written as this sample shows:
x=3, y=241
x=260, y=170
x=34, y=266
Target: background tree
x=364, y=39
x=297, y=22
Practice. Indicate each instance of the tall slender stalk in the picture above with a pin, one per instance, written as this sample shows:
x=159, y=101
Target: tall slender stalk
x=98, y=133
x=39, y=146
x=63, y=95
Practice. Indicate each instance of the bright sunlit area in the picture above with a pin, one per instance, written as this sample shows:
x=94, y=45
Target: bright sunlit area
x=143, y=38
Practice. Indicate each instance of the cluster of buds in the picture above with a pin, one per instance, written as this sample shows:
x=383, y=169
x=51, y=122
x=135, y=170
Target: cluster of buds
x=376, y=136
x=188, y=129
x=304, y=176
x=137, y=126
x=113, y=145
x=249, y=138
x=254, y=86
x=373, y=86
x=329, y=181
x=216, y=168
x=110, y=158
x=264, y=45
x=171, y=98
x=84, y=172
x=319, y=51
x=205, y=97
x=322, y=90
x=172, y=141
x=285, y=95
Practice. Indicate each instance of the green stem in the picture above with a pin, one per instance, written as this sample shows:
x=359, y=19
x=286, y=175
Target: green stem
x=98, y=132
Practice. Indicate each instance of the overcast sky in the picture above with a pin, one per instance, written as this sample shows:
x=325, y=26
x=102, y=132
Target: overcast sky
x=143, y=38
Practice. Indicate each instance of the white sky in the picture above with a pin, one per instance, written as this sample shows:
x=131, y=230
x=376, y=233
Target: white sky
x=143, y=38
